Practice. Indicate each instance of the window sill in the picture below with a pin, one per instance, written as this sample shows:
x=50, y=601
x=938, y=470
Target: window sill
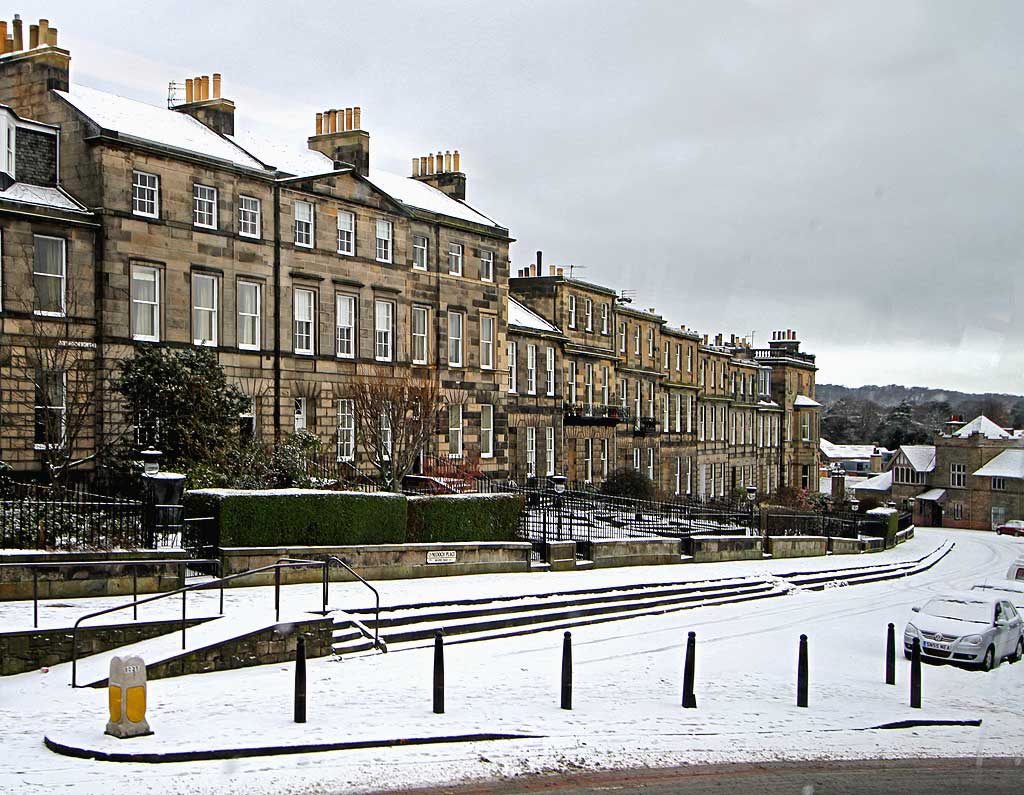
x=307, y=246
x=249, y=348
x=384, y=261
x=141, y=338
x=346, y=253
x=303, y=353
x=41, y=313
x=154, y=216
x=250, y=237
x=344, y=356
x=205, y=344
x=212, y=228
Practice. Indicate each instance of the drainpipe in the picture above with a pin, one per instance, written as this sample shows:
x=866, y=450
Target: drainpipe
x=277, y=314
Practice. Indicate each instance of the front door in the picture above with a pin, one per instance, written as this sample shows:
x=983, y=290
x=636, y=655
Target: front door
x=998, y=517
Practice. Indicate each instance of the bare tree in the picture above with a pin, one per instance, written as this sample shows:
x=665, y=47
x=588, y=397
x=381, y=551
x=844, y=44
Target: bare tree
x=396, y=418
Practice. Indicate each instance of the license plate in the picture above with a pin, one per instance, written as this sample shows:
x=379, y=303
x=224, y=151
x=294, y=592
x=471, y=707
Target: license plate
x=928, y=644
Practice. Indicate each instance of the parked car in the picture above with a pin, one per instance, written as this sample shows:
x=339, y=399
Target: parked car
x=1014, y=527
x=1013, y=590
x=1016, y=571
x=972, y=627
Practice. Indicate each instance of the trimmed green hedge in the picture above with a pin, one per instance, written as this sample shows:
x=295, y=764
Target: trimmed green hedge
x=464, y=517
x=297, y=517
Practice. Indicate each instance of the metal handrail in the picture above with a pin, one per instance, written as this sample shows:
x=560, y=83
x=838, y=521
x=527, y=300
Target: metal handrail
x=376, y=612
x=182, y=562
x=293, y=563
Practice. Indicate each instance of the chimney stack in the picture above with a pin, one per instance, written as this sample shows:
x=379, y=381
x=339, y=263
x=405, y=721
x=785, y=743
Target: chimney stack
x=443, y=171
x=340, y=136
x=540, y=261
x=215, y=112
x=30, y=73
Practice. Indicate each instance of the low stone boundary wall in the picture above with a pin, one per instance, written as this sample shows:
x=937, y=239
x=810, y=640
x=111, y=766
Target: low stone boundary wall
x=711, y=549
x=561, y=555
x=846, y=546
x=75, y=577
x=606, y=553
x=274, y=644
x=797, y=546
x=31, y=649
x=381, y=562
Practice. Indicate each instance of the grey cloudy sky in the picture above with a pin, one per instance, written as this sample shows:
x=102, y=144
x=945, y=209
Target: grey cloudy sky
x=852, y=169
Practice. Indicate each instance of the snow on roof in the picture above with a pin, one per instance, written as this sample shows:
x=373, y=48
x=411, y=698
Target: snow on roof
x=159, y=125
x=825, y=483
x=802, y=401
x=983, y=425
x=846, y=450
x=932, y=495
x=1008, y=464
x=881, y=482
x=920, y=456
x=425, y=197
x=42, y=197
x=768, y=404
x=296, y=160
x=519, y=315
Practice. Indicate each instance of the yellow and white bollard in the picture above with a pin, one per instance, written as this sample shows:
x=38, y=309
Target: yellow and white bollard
x=126, y=692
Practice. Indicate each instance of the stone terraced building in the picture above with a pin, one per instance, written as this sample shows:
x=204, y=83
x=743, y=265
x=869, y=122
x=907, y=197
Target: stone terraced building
x=304, y=266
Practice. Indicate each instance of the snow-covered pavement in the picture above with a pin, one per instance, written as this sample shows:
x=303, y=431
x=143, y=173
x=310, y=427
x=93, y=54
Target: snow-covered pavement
x=626, y=693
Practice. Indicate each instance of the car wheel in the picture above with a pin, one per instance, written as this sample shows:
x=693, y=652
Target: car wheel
x=1019, y=651
x=988, y=662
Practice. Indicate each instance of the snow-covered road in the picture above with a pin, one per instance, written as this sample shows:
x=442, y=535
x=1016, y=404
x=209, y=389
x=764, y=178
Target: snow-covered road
x=626, y=696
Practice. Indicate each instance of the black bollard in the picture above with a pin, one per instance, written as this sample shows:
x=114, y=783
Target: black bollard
x=438, y=673
x=801, y=674
x=890, y=656
x=915, y=674
x=689, y=699
x=567, y=671
x=300, y=680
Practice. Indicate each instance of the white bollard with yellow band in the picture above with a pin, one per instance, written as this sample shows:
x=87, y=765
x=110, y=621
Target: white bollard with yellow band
x=127, y=696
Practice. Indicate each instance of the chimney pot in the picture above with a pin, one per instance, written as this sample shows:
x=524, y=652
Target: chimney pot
x=551, y=270
x=33, y=36
x=44, y=32
x=188, y=89
x=19, y=41
x=561, y=271
x=319, y=123
x=439, y=164
x=345, y=121
x=540, y=259
x=357, y=118
x=206, y=86
x=216, y=85
x=415, y=166
x=51, y=36
x=456, y=165
x=447, y=161
x=423, y=166
x=3, y=36
x=332, y=126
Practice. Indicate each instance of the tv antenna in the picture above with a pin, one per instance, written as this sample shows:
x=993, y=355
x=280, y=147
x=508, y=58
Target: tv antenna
x=626, y=296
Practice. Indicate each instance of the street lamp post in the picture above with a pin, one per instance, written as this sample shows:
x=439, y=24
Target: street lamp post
x=558, y=481
x=855, y=506
x=751, y=499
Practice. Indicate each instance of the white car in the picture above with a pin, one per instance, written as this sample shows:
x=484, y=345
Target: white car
x=972, y=627
x=1004, y=589
x=1016, y=570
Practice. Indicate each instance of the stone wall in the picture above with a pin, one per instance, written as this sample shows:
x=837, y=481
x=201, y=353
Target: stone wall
x=32, y=649
x=78, y=575
x=711, y=549
x=275, y=644
x=634, y=552
x=380, y=562
x=797, y=546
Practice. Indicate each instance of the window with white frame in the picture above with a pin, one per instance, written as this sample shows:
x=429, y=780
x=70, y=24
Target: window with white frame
x=1, y=273
x=249, y=302
x=204, y=309
x=650, y=400
x=637, y=336
x=623, y=396
x=636, y=459
x=455, y=431
x=10, y=147
x=650, y=342
x=513, y=373
x=588, y=459
x=531, y=369
x=455, y=259
x=998, y=484
x=346, y=430
x=679, y=413
x=665, y=354
x=679, y=357
x=49, y=275
x=204, y=206
x=455, y=335
x=145, y=303
x=487, y=431
x=604, y=458
x=549, y=370
x=805, y=426
x=299, y=414
x=345, y=326
x=689, y=413
x=549, y=450
x=571, y=382
x=487, y=266
x=145, y=194
x=637, y=403
x=305, y=317
x=605, y=315
x=385, y=436
x=487, y=324
x=420, y=317
x=689, y=475
x=665, y=425
x=605, y=385
x=588, y=314
x=383, y=323
x=419, y=252
x=622, y=337
x=531, y=451
x=958, y=475
x=249, y=217
x=678, y=476
x=304, y=224
x=51, y=386
x=384, y=231
x=346, y=232
x=572, y=311
x=588, y=386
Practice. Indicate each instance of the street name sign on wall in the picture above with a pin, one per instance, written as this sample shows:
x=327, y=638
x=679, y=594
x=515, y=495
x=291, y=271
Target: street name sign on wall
x=441, y=556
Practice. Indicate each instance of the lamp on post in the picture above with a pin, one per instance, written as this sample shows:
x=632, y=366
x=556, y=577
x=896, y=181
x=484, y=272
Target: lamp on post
x=751, y=499
x=151, y=460
x=855, y=506
x=558, y=482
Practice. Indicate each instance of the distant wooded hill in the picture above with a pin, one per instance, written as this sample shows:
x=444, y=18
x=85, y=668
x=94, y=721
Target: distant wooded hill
x=893, y=415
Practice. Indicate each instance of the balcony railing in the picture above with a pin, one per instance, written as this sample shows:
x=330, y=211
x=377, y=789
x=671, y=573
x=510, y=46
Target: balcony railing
x=598, y=414
x=782, y=353
x=645, y=426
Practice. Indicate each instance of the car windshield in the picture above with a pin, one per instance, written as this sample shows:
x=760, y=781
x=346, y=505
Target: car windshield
x=961, y=609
